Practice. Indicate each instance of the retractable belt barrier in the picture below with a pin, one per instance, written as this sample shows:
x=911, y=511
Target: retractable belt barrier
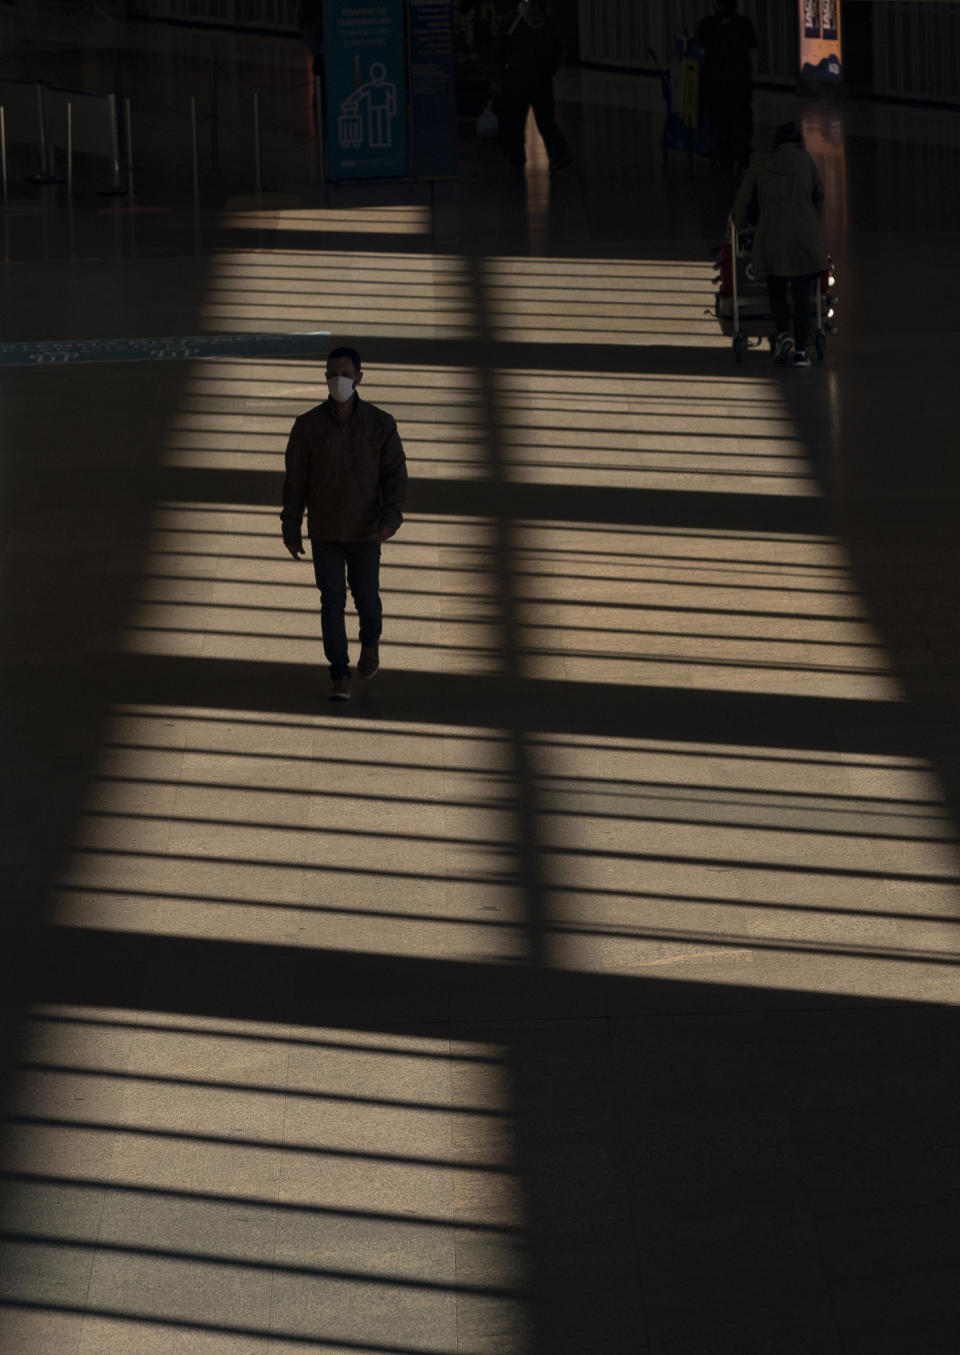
x=52, y=124
x=35, y=115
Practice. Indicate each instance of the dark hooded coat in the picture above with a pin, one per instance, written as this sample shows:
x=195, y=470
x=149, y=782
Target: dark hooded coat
x=783, y=194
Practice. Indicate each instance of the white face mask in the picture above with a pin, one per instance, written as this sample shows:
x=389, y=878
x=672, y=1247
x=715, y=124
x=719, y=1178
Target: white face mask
x=340, y=387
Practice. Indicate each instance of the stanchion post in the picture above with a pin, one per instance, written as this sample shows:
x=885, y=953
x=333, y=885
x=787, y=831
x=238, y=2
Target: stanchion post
x=128, y=125
x=42, y=129
x=195, y=151
x=318, y=124
x=3, y=154
x=69, y=149
x=193, y=146
x=46, y=174
x=70, y=222
x=114, y=143
x=214, y=123
x=256, y=143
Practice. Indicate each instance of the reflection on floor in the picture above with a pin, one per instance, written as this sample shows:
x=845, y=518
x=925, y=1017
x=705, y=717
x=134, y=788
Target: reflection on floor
x=590, y=984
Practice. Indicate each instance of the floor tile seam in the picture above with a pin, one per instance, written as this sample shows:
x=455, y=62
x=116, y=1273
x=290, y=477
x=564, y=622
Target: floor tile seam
x=95, y=1249
x=273, y=1313
x=186, y=789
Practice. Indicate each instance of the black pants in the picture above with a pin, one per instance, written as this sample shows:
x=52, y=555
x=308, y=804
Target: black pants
x=802, y=293
x=361, y=562
x=731, y=121
x=515, y=104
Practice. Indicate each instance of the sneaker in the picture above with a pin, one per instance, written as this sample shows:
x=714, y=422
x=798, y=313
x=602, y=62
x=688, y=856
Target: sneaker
x=783, y=348
x=800, y=359
x=340, y=689
x=369, y=660
x=561, y=162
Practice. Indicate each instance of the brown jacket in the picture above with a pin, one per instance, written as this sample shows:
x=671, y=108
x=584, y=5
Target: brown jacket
x=350, y=474
x=788, y=240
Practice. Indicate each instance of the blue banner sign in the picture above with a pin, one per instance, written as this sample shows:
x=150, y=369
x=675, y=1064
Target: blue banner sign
x=56, y=352
x=366, y=89
x=433, y=91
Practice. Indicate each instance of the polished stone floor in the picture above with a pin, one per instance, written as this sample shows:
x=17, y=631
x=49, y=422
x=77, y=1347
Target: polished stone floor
x=589, y=985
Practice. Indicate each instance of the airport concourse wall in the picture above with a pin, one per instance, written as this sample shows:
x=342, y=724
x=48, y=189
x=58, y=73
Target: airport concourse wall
x=916, y=50
x=914, y=45
x=274, y=15
x=626, y=34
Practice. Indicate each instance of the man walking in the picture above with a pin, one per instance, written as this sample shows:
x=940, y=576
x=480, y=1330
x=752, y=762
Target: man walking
x=728, y=38
x=529, y=57
x=345, y=465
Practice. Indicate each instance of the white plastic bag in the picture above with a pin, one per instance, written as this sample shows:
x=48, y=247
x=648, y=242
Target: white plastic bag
x=488, y=124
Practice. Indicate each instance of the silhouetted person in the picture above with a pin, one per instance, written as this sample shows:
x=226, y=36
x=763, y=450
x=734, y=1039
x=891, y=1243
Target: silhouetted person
x=529, y=56
x=728, y=39
x=783, y=193
x=345, y=465
x=310, y=23
x=487, y=17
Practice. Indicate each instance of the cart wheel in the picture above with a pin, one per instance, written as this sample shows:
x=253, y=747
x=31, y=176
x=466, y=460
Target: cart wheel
x=821, y=342
x=739, y=347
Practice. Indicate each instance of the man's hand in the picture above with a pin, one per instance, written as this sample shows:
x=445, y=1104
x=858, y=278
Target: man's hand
x=385, y=533
x=293, y=541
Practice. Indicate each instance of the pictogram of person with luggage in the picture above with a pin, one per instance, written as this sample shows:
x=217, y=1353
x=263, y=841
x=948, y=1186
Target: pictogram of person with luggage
x=374, y=104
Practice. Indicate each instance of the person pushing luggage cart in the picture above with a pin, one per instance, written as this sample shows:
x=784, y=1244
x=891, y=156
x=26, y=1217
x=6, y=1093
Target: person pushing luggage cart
x=776, y=243
x=782, y=198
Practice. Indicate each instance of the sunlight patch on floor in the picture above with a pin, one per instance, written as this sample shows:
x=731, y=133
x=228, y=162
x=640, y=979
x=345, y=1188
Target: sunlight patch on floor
x=308, y=832
x=711, y=434
x=352, y=294
x=763, y=867
x=385, y=220
x=588, y=301
x=234, y=1186
x=696, y=610
x=217, y=583
x=237, y=415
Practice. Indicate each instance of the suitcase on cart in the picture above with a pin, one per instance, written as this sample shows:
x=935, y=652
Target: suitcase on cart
x=743, y=308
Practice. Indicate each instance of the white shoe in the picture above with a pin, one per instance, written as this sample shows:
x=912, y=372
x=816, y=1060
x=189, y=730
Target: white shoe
x=800, y=358
x=783, y=348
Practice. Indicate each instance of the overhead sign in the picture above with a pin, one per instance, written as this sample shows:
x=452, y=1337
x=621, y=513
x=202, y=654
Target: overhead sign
x=821, y=42
x=433, y=88
x=366, y=89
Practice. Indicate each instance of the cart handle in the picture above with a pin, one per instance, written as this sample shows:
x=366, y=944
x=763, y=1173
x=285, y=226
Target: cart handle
x=733, y=269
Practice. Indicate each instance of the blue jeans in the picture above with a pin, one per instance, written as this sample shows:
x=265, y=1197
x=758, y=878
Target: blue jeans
x=362, y=562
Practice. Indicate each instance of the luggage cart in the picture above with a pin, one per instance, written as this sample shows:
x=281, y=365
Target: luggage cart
x=743, y=308
x=681, y=84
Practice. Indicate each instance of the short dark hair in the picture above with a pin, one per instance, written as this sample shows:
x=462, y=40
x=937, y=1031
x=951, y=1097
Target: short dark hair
x=788, y=133
x=344, y=352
